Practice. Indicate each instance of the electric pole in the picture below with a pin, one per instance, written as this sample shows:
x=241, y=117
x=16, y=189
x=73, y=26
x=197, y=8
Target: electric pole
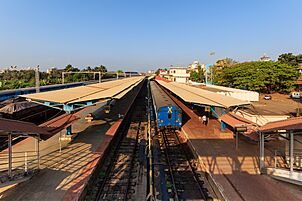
x=37, y=76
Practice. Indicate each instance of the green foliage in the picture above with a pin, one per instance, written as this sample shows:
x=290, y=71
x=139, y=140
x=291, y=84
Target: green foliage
x=215, y=70
x=70, y=68
x=290, y=59
x=262, y=76
x=100, y=68
x=227, y=62
x=14, y=79
x=197, y=76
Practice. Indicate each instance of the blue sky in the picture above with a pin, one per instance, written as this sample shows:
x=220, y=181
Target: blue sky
x=145, y=34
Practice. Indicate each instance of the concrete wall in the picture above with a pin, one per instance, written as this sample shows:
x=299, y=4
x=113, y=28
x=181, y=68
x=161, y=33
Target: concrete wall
x=181, y=79
x=237, y=93
x=261, y=119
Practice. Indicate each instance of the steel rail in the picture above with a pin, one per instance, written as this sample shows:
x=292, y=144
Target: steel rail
x=169, y=164
x=200, y=188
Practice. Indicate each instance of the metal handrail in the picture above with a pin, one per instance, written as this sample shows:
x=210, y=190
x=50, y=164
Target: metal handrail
x=284, y=157
x=29, y=162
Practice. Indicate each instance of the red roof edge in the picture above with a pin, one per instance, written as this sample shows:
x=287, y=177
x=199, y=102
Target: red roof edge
x=59, y=123
x=161, y=78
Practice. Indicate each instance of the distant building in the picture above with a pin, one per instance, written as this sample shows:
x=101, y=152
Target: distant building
x=179, y=74
x=15, y=68
x=163, y=72
x=300, y=68
x=265, y=58
x=194, y=66
x=151, y=71
x=130, y=74
x=54, y=69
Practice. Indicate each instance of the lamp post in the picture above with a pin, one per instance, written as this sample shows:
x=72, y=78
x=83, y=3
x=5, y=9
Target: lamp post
x=212, y=54
x=37, y=77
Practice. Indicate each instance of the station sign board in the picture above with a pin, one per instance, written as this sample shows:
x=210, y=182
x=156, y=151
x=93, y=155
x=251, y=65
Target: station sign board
x=240, y=127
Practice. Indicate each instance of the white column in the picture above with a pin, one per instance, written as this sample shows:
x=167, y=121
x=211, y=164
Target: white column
x=38, y=156
x=35, y=146
x=25, y=162
x=261, y=162
x=63, y=76
x=60, y=143
x=236, y=140
x=291, y=150
x=10, y=155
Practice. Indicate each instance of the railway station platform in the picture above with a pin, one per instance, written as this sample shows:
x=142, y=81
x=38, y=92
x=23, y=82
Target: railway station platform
x=64, y=174
x=234, y=173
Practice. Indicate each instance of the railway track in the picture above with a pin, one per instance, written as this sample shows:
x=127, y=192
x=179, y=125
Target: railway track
x=183, y=181
x=121, y=177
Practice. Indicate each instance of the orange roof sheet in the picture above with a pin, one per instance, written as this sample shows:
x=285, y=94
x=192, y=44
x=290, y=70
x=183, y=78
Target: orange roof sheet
x=233, y=119
x=287, y=124
x=59, y=123
x=14, y=126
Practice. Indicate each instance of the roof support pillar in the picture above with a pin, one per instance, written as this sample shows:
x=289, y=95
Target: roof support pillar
x=38, y=154
x=261, y=161
x=68, y=130
x=222, y=126
x=237, y=140
x=10, y=155
x=291, y=151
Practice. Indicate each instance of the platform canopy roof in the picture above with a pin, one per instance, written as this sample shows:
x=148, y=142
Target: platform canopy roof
x=200, y=96
x=21, y=127
x=110, y=89
x=234, y=120
x=287, y=124
x=120, y=95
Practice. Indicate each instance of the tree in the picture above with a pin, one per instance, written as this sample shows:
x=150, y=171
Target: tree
x=87, y=69
x=227, y=62
x=215, y=70
x=100, y=68
x=70, y=68
x=197, y=76
x=267, y=76
x=119, y=71
x=194, y=76
x=290, y=59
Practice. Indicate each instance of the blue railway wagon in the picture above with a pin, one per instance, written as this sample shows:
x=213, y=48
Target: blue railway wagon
x=168, y=114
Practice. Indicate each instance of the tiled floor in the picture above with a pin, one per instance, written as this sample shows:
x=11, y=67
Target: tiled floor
x=235, y=171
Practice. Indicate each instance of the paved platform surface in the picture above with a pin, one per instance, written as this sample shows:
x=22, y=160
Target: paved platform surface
x=63, y=175
x=235, y=171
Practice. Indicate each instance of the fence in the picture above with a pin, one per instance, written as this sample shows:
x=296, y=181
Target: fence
x=282, y=159
x=22, y=163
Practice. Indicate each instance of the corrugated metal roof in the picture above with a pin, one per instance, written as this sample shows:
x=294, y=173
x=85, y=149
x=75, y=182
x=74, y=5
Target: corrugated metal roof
x=59, y=123
x=233, y=119
x=200, y=96
x=111, y=92
x=17, y=106
x=14, y=126
x=288, y=124
x=85, y=93
x=123, y=93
